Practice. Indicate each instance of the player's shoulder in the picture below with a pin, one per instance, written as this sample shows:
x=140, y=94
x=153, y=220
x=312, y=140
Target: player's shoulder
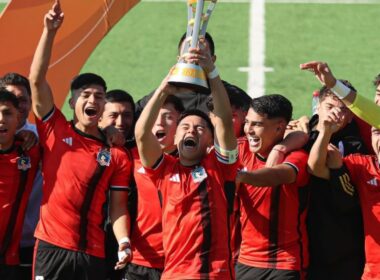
x=34, y=151
x=121, y=153
x=242, y=140
x=298, y=153
x=360, y=158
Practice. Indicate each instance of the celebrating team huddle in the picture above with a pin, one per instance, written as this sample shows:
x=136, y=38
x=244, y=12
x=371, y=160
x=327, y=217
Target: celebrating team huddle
x=185, y=184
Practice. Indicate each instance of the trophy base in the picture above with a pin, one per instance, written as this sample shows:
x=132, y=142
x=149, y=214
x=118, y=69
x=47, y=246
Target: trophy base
x=189, y=76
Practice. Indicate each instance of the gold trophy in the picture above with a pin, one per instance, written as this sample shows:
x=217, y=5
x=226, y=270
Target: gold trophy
x=187, y=74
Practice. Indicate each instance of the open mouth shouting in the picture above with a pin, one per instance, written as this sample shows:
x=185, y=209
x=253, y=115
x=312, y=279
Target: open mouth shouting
x=190, y=143
x=3, y=130
x=91, y=112
x=254, y=141
x=160, y=134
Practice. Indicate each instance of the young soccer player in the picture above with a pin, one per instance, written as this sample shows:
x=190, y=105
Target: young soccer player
x=273, y=200
x=146, y=234
x=119, y=112
x=17, y=173
x=355, y=175
x=19, y=86
x=78, y=168
x=195, y=187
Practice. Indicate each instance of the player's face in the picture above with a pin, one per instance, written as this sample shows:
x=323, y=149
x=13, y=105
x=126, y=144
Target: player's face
x=328, y=104
x=88, y=105
x=238, y=119
x=165, y=127
x=376, y=141
x=9, y=119
x=193, y=137
x=262, y=133
x=120, y=115
x=24, y=101
x=213, y=57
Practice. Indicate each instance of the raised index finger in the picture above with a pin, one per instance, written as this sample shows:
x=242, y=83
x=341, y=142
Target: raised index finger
x=57, y=7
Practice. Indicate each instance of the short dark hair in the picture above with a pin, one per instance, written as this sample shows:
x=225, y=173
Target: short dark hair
x=15, y=79
x=119, y=96
x=199, y=113
x=234, y=95
x=325, y=91
x=273, y=106
x=376, y=81
x=86, y=79
x=176, y=102
x=208, y=38
x=7, y=96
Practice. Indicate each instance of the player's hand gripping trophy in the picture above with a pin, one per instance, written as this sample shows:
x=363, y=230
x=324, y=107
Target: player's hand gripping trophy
x=187, y=74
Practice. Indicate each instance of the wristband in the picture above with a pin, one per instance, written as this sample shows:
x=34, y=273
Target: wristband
x=122, y=254
x=340, y=90
x=125, y=240
x=213, y=74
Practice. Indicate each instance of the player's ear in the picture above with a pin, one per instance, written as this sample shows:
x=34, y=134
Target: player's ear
x=71, y=103
x=281, y=127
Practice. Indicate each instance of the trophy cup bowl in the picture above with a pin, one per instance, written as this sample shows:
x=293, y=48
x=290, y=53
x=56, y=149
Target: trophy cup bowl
x=191, y=75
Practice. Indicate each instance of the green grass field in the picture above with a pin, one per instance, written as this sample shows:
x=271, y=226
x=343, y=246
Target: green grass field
x=141, y=48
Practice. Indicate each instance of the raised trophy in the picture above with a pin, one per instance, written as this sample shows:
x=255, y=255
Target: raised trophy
x=187, y=74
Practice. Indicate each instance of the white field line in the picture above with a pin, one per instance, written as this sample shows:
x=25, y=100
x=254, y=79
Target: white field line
x=256, y=75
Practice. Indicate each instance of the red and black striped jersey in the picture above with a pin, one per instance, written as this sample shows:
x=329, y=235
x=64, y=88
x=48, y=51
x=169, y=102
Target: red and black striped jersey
x=146, y=235
x=17, y=173
x=364, y=173
x=78, y=169
x=196, y=217
x=273, y=218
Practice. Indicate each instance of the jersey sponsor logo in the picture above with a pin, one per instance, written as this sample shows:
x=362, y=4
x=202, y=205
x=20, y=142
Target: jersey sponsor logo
x=199, y=174
x=372, y=182
x=104, y=157
x=23, y=163
x=68, y=141
x=141, y=170
x=175, y=178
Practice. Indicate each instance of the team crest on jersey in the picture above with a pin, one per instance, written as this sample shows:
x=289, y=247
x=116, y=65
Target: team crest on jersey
x=199, y=174
x=23, y=163
x=104, y=157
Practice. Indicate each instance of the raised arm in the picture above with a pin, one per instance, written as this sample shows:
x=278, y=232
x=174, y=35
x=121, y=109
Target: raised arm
x=42, y=98
x=147, y=143
x=317, y=162
x=224, y=132
x=360, y=106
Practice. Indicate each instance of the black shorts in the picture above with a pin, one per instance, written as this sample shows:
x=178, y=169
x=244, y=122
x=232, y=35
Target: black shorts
x=139, y=272
x=347, y=269
x=245, y=272
x=24, y=270
x=52, y=262
x=8, y=272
